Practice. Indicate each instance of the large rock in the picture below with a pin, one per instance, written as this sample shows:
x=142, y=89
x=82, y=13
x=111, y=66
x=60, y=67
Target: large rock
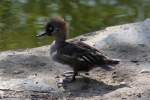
x=30, y=74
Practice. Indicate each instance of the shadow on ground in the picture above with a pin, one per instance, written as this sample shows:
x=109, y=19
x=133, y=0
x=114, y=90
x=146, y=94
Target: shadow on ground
x=87, y=87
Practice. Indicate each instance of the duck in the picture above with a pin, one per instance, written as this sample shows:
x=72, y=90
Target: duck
x=76, y=54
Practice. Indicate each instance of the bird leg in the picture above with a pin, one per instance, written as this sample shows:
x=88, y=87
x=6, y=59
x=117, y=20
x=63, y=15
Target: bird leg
x=74, y=75
x=70, y=76
x=67, y=79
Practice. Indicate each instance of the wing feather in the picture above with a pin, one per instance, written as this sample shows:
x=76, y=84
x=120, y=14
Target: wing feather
x=79, y=52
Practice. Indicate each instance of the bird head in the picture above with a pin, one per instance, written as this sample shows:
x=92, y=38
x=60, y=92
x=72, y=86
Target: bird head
x=56, y=27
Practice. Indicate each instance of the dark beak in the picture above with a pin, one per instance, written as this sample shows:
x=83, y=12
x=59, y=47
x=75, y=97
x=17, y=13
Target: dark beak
x=41, y=34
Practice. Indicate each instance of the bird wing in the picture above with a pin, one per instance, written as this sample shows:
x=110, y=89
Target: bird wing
x=80, y=53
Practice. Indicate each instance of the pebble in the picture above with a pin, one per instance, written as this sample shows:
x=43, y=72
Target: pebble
x=123, y=83
x=36, y=82
x=35, y=74
x=145, y=71
x=134, y=61
x=60, y=83
x=139, y=95
x=18, y=72
x=57, y=76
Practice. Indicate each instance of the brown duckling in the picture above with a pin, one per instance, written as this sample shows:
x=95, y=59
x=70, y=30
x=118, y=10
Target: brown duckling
x=78, y=55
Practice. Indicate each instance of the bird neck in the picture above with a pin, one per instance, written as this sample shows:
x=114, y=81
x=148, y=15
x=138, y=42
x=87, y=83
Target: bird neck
x=60, y=42
x=60, y=39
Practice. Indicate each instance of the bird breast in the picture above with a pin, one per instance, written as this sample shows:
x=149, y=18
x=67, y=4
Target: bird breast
x=53, y=58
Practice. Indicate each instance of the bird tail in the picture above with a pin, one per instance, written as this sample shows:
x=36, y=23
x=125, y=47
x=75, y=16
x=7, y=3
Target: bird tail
x=108, y=63
x=112, y=61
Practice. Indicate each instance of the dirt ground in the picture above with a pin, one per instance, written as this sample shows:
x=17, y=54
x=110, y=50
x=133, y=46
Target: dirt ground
x=31, y=75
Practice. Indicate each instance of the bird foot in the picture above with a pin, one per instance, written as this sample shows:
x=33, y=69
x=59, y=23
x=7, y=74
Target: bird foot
x=69, y=72
x=68, y=77
x=62, y=81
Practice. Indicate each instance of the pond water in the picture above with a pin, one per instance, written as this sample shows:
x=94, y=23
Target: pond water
x=21, y=20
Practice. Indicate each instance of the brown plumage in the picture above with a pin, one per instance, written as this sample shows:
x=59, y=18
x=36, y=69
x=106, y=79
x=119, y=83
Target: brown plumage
x=78, y=55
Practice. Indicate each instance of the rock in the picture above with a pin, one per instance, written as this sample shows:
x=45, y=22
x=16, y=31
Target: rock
x=30, y=74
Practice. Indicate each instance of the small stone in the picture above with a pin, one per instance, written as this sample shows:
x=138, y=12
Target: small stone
x=139, y=95
x=42, y=64
x=129, y=94
x=114, y=76
x=137, y=64
x=122, y=83
x=134, y=61
x=18, y=72
x=142, y=45
x=114, y=72
x=83, y=39
x=145, y=71
x=69, y=93
x=36, y=82
x=35, y=74
x=57, y=76
x=123, y=98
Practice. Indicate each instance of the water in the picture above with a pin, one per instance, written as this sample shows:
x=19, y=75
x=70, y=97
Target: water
x=21, y=20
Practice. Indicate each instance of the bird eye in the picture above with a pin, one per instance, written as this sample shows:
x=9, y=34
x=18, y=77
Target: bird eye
x=51, y=28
